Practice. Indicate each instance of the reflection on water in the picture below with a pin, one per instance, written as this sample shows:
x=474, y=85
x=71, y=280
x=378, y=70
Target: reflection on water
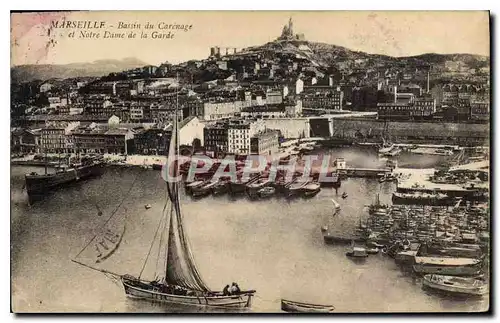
x=273, y=246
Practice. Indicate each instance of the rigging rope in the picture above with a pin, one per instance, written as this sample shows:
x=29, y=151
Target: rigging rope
x=161, y=240
x=111, y=216
x=151, y=246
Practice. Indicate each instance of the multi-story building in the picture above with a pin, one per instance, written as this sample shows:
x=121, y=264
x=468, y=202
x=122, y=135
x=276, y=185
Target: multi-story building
x=56, y=138
x=239, y=134
x=103, y=139
x=152, y=141
x=323, y=100
x=265, y=142
x=480, y=111
x=394, y=110
x=140, y=111
x=222, y=110
x=423, y=107
x=192, y=107
x=264, y=111
x=274, y=96
x=216, y=137
x=25, y=140
x=97, y=105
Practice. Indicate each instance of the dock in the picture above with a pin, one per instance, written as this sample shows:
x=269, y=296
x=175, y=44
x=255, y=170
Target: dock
x=364, y=172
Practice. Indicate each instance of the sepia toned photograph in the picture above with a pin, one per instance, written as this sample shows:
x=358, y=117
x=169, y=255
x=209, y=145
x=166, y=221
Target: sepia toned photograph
x=234, y=162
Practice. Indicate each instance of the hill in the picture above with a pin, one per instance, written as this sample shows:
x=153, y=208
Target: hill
x=26, y=73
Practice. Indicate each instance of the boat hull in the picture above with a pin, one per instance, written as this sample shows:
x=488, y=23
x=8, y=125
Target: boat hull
x=467, y=291
x=295, y=307
x=423, y=201
x=447, y=270
x=236, y=301
x=40, y=184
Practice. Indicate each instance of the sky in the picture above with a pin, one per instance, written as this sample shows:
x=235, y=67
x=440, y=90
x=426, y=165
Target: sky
x=394, y=33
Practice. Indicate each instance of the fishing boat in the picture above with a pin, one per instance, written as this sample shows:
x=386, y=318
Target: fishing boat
x=263, y=182
x=193, y=185
x=295, y=188
x=462, y=286
x=266, y=192
x=406, y=257
x=177, y=278
x=298, y=307
x=204, y=190
x=222, y=187
x=239, y=185
x=447, y=266
x=311, y=189
x=357, y=251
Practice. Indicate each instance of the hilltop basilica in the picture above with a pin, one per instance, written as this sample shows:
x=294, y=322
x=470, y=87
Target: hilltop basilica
x=287, y=33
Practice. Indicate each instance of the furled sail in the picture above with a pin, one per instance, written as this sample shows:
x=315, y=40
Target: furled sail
x=180, y=268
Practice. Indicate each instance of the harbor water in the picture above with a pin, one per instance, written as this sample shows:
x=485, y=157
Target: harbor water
x=274, y=246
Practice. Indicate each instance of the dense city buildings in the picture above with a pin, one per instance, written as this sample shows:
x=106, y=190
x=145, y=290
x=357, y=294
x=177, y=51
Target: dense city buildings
x=285, y=84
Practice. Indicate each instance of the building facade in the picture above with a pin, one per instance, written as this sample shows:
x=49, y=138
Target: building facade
x=239, y=134
x=153, y=141
x=480, y=111
x=56, y=138
x=216, y=137
x=265, y=143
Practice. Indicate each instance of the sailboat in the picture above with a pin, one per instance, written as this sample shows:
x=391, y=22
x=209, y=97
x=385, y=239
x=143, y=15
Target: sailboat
x=178, y=281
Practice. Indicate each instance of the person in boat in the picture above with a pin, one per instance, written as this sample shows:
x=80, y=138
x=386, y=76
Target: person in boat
x=225, y=291
x=234, y=289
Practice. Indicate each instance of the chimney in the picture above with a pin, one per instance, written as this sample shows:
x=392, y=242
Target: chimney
x=428, y=78
x=395, y=94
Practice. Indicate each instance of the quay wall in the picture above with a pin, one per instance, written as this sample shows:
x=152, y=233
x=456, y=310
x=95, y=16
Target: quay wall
x=290, y=127
x=410, y=131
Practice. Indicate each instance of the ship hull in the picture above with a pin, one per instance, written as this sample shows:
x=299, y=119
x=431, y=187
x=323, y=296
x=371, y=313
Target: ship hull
x=447, y=270
x=236, y=301
x=40, y=184
x=422, y=201
x=456, y=290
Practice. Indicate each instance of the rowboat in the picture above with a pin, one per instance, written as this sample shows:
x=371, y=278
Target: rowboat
x=456, y=285
x=266, y=192
x=298, y=307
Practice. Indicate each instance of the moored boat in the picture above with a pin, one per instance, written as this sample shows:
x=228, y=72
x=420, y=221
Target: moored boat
x=39, y=184
x=193, y=185
x=295, y=188
x=299, y=307
x=204, y=190
x=438, y=199
x=266, y=192
x=462, y=286
x=447, y=266
x=311, y=189
x=357, y=251
x=221, y=188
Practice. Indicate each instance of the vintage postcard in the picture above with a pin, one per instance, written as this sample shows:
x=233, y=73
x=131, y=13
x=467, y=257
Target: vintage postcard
x=250, y=161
